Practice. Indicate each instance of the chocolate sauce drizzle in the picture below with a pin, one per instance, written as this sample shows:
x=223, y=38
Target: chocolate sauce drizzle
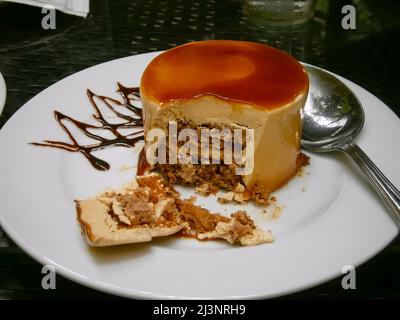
x=129, y=97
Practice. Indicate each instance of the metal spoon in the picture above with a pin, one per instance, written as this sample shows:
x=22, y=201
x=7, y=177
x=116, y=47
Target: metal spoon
x=332, y=117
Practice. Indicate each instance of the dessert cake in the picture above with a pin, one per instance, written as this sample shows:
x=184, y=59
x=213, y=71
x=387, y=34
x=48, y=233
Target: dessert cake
x=231, y=85
x=149, y=207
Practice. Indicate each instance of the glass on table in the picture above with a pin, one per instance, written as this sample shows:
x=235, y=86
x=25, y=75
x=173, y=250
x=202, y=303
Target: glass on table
x=278, y=12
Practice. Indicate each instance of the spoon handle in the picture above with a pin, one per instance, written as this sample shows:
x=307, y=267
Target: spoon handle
x=389, y=194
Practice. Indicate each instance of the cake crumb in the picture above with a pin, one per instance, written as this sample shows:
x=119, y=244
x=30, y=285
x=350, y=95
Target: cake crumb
x=240, y=188
x=276, y=213
x=192, y=199
x=226, y=197
x=241, y=197
x=206, y=189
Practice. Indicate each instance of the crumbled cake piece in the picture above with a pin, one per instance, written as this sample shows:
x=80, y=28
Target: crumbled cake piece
x=226, y=197
x=302, y=162
x=216, y=176
x=260, y=195
x=134, y=213
x=192, y=199
x=240, y=195
x=101, y=229
x=150, y=207
x=239, y=229
x=199, y=219
x=210, y=178
x=136, y=206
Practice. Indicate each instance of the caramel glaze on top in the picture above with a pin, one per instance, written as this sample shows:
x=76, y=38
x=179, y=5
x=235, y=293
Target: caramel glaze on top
x=235, y=70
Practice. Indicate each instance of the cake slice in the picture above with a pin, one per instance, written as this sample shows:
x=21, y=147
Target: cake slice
x=218, y=85
x=149, y=207
x=137, y=212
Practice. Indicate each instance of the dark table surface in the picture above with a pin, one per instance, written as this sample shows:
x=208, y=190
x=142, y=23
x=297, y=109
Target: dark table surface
x=31, y=59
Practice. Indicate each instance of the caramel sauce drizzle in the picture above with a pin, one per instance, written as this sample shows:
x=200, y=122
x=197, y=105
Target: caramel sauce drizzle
x=130, y=95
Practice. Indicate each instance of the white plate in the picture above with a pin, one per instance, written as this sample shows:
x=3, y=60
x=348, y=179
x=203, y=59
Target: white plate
x=331, y=217
x=3, y=93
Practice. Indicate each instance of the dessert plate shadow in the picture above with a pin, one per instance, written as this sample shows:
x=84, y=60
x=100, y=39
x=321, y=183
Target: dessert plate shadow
x=329, y=217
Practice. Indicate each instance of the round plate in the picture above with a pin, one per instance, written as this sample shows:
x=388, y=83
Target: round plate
x=3, y=93
x=330, y=216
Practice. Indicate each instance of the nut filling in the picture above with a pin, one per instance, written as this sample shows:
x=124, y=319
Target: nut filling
x=210, y=178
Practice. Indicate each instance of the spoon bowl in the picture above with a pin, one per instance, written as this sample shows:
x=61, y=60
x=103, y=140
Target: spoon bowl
x=332, y=113
x=332, y=118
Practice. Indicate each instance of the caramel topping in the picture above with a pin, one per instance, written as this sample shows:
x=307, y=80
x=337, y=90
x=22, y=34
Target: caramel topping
x=236, y=70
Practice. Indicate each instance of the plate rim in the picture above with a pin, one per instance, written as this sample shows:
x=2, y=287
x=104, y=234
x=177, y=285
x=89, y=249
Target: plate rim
x=3, y=88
